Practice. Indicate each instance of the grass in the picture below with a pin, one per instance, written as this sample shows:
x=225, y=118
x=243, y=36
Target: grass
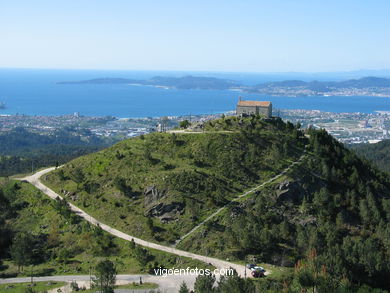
x=37, y=286
x=138, y=286
x=39, y=217
x=200, y=172
x=132, y=286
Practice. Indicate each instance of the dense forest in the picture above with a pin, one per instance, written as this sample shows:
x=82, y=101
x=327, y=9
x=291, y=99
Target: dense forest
x=23, y=151
x=377, y=153
x=329, y=217
x=322, y=226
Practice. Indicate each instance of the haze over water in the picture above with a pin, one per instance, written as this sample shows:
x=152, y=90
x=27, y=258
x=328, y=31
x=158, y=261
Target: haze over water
x=35, y=92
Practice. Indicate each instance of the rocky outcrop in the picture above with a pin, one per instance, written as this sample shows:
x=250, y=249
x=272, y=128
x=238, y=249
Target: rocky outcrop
x=71, y=195
x=155, y=207
x=290, y=191
x=153, y=195
x=166, y=212
x=236, y=211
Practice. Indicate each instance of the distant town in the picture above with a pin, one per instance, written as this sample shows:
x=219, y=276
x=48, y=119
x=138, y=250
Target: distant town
x=349, y=128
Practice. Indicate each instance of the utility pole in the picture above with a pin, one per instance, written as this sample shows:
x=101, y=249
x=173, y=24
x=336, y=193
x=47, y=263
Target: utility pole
x=245, y=267
x=90, y=278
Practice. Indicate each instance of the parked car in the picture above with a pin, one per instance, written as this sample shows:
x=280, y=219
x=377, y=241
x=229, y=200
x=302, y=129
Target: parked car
x=260, y=269
x=250, y=265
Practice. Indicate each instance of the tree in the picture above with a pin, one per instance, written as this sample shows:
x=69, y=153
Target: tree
x=204, y=284
x=184, y=124
x=121, y=185
x=22, y=250
x=62, y=207
x=105, y=276
x=235, y=284
x=78, y=175
x=141, y=255
x=184, y=288
x=63, y=255
x=150, y=224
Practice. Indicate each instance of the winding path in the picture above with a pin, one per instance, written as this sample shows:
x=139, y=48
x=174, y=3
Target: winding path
x=239, y=197
x=219, y=264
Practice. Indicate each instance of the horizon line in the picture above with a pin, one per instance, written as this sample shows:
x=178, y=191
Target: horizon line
x=199, y=71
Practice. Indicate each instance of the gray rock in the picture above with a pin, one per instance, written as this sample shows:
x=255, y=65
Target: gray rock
x=290, y=191
x=74, y=196
x=236, y=211
x=166, y=212
x=153, y=195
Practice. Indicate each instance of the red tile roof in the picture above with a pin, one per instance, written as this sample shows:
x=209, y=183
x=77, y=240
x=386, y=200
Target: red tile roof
x=254, y=103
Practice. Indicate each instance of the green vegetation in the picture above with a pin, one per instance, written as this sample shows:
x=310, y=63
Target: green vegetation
x=159, y=186
x=328, y=216
x=138, y=286
x=42, y=236
x=377, y=153
x=36, y=287
x=184, y=124
x=132, y=286
x=22, y=150
x=333, y=205
x=105, y=279
x=226, y=284
x=184, y=288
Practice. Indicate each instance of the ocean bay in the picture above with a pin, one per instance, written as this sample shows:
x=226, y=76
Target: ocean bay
x=36, y=92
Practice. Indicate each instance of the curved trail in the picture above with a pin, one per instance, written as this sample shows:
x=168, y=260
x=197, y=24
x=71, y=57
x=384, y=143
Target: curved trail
x=219, y=264
x=239, y=197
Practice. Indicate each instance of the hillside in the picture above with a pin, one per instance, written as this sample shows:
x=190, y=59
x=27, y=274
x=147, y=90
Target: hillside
x=333, y=212
x=159, y=186
x=329, y=215
x=378, y=153
x=37, y=230
x=21, y=150
x=365, y=82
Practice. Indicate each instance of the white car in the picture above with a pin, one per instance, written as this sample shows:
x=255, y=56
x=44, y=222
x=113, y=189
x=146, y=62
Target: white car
x=260, y=269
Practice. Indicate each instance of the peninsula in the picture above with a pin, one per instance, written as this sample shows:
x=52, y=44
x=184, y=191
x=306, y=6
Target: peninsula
x=366, y=86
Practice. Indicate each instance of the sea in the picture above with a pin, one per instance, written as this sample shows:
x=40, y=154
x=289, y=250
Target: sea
x=37, y=92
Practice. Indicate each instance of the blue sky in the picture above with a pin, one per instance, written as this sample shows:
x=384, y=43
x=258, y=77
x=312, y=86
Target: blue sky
x=212, y=35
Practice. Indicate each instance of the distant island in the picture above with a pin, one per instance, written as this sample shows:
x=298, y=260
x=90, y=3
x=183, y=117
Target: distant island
x=186, y=82
x=367, y=86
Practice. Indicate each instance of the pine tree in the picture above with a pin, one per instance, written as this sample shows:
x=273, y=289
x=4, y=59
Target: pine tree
x=204, y=284
x=184, y=288
x=22, y=250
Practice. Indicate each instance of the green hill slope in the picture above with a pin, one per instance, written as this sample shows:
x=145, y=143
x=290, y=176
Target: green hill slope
x=57, y=242
x=159, y=186
x=334, y=209
x=329, y=215
x=377, y=153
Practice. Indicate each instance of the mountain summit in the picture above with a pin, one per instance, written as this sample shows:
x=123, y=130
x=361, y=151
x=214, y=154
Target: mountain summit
x=244, y=188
